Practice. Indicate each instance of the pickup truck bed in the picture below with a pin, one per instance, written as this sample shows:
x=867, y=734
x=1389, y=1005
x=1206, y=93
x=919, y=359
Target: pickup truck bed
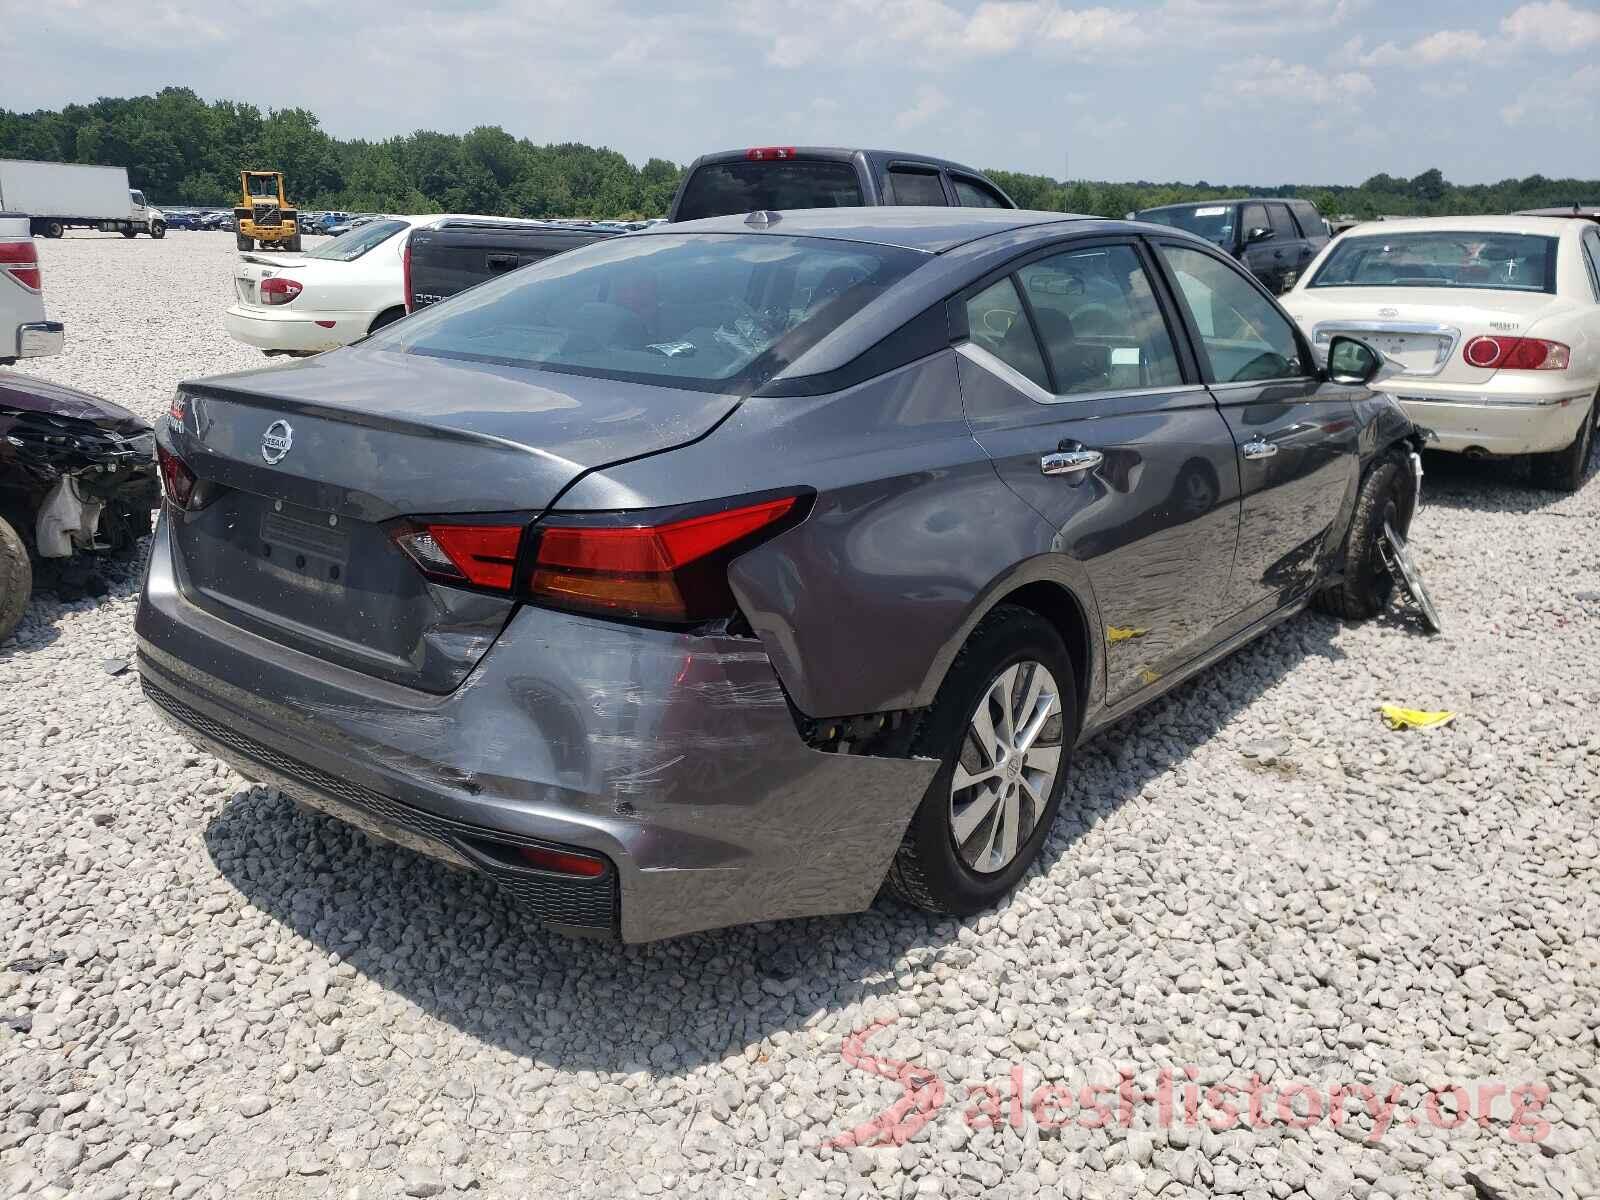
x=457, y=253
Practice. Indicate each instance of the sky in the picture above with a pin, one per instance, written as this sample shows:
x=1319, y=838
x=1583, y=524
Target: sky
x=1229, y=91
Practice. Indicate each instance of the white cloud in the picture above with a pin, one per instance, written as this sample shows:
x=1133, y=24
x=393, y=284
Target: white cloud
x=1555, y=26
x=1447, y=45
x=1297, y=83
x=1577, y=94
x=930, y=102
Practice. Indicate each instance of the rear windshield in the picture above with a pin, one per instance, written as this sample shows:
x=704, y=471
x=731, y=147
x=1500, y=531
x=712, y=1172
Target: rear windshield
x=710, y=312
x=1509, y=262
x=348, y=247
x=1214, y=222
x=719, y=189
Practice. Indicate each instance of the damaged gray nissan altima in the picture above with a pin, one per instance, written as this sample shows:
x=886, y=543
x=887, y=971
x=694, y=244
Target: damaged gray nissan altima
x=735, y=570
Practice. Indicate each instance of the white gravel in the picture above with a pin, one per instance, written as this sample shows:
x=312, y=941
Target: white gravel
x=236, y=999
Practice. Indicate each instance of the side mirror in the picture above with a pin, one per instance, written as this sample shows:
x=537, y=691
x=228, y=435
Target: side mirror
x=1353, y=362
x=1258, y=234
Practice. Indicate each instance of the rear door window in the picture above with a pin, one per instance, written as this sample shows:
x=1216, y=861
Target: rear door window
x=997, y=323
x=1283, y=226
x=1591, y=258
x=970, y=193
x=721, y=189
x=907, y=186
x=1099, y=321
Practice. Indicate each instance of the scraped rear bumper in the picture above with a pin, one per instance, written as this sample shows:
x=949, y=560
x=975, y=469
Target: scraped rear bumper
x=675, y=758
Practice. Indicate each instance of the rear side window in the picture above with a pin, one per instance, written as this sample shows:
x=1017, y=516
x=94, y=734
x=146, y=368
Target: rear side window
x=972, y=194
x=1282, y=226
x=1591, y=258
x=915, y=187
x=710, y=312
x=720, y=189
x=1509, y=262
x=996, y=322
x=1099, y=321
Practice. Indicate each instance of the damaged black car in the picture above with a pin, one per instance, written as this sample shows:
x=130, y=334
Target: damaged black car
x=77, y=479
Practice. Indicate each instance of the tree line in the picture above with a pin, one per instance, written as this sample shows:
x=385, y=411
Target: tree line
x=181, y=150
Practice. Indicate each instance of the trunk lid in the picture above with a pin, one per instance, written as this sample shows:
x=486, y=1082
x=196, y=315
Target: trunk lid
x=1425, y=330
x=300, y=551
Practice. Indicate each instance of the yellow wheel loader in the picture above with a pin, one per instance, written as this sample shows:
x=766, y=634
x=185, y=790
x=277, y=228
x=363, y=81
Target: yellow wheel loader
x=264, y=214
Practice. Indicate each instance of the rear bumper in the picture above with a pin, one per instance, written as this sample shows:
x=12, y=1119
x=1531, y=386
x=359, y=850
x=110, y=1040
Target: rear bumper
x=40, y=338
x=1520, y=419
x=674, y=757
x=293, y=331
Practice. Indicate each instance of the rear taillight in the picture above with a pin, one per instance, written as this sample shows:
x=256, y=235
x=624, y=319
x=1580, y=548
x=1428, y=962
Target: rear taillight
x=769, y=153
x=20, y=260
x=484, y=556
x=279, y=289
x=405, y=275
x=1516, y=354
x=177, y=481
x=609, y=564
x=674, y=572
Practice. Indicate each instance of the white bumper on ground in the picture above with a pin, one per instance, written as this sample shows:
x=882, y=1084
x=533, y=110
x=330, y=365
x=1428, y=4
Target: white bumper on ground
x=299, y=333
x=1520, y=416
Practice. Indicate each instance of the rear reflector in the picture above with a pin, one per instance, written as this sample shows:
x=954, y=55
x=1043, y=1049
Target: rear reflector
x=482, y=555
x=563, y=862
x=20, y=260
x=1516, y=354
x=769, y=153
x=674, y=572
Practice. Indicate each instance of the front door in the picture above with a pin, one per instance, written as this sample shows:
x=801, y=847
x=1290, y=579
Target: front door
x=1075, y=386
x=1299, y=461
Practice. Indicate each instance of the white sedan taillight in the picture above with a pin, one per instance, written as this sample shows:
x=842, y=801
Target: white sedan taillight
x=1516, y=354
x=279, y=290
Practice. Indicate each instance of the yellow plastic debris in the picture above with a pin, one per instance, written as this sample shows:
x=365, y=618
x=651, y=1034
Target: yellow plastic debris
x=1414, y=718
x=1121, y=633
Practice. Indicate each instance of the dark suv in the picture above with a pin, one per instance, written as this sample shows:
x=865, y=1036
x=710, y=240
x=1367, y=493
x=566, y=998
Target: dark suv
x=790, y=177
x=1276, y=239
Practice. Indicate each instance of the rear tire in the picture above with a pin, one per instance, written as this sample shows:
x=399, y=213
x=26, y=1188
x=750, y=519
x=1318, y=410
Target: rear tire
x=1387, y=496
x=243, y=242
x=54, y=229
x=1010, y=802
x=1563, y=470
x=129, y=233
x=16, y=578
x=158, y=231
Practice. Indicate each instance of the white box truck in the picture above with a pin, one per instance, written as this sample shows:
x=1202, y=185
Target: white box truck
x=61, y=196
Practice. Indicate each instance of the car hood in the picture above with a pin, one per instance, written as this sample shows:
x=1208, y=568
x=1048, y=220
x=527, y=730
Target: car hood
x=24, y=393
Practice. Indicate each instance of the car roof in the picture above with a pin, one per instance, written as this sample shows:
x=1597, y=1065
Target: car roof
x=930, y=229
x=1546, y=226
x=1232, y=200
x=840, y=154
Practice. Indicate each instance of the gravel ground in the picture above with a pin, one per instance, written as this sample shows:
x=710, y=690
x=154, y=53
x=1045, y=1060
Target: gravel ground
x=223, y=996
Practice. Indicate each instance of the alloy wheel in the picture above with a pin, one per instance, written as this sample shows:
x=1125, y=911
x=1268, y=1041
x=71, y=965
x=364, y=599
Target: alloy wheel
x=1008, y=765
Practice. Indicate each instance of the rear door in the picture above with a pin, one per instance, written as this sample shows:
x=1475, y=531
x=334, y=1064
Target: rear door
x=1290, y=250
x=1299, y=462
x=1091, y=408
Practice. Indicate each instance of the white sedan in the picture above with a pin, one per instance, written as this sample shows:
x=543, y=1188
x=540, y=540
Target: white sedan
x=324, y=298
x=1493, y=322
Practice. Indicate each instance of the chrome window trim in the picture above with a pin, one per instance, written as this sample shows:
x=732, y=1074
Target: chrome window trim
x=1450, y=333
x=1240, y=384
x=997, y=366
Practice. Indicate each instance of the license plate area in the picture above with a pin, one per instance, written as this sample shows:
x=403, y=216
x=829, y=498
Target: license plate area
x=309, y=553
x=246, y=288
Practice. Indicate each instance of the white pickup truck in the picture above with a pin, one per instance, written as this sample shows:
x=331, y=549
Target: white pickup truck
x=24, y=332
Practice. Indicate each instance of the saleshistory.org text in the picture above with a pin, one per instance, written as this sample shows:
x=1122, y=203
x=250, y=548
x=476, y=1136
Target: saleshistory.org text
x=1179, y=1098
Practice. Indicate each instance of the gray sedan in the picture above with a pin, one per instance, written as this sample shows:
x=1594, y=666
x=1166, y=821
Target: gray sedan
x=734, y=570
